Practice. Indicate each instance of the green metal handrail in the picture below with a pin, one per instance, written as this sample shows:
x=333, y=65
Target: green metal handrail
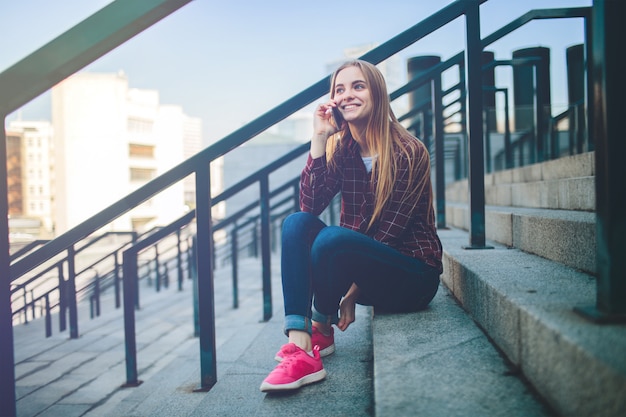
x=198, y=165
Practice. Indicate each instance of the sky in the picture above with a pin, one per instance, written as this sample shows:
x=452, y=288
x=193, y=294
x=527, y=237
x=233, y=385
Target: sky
x=228, y=62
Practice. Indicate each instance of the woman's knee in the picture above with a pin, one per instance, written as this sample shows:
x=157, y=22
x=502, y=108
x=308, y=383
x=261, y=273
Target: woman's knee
x=329, y=242
x=297, y=223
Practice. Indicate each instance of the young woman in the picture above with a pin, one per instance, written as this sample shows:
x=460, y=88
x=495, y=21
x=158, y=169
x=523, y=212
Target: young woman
x=385, y=253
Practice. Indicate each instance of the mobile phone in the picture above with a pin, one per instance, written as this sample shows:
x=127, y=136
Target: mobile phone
x=338, y=117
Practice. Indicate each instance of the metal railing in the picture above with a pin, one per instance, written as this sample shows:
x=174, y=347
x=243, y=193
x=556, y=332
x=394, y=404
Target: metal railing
x=470, y=99
x=48, y=288
x=198, y=166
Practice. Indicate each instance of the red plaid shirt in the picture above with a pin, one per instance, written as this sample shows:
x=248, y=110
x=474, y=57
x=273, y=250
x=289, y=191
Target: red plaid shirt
x=403, y=225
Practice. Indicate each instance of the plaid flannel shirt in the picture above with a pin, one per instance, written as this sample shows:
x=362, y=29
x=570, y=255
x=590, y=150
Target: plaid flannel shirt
x=403, y=224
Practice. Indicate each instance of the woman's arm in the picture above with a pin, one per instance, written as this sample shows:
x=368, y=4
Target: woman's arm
x=317, y=185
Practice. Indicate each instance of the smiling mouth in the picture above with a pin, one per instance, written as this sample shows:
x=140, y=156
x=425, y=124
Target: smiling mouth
x=350, y=107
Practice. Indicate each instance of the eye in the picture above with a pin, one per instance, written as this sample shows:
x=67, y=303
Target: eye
x=359, y=86
x=339, y=90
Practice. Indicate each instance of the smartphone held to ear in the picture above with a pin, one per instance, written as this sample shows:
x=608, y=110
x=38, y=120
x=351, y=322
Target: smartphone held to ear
x=338, y=117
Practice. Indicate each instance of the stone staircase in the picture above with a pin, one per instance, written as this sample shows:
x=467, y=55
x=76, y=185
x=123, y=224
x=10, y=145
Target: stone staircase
x=522, y=293
x=528, y=207
x=499, y=339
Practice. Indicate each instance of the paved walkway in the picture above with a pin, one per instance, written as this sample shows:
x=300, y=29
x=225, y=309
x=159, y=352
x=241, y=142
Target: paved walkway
x=435, y=363
x=83, y=377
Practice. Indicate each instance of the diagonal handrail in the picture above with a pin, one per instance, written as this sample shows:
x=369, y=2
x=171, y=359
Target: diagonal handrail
x=79, y=46
x=230, y=142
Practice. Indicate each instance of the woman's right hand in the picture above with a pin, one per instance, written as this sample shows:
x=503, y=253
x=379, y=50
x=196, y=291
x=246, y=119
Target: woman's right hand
x=323, y=128
x=323, y=120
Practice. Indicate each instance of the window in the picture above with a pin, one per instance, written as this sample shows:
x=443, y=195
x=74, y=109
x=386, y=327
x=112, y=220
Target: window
x=140, y=151
x=137, y=125
x=141, y=174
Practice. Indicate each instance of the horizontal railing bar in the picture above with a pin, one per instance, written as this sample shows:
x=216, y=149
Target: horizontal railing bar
x=536, y=14
x=488, y=40
x=163, y=232
x=240, y=213
x=253, y=178
x=103, y=236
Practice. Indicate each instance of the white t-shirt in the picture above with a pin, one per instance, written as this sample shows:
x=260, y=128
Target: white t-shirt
x=367, y=160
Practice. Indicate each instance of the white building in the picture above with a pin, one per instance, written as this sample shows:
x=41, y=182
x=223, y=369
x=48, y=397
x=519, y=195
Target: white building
x=111, y=139
x=31, y=170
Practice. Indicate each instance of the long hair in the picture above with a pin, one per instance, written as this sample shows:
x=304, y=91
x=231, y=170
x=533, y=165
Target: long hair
x=386, y=138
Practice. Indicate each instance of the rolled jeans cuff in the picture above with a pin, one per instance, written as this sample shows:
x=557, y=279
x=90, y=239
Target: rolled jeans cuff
x=296, y=322
x=324, y=318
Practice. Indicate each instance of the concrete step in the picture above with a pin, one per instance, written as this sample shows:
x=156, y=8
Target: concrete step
x=563, y=184
x=438, y=362
x=564, y=236
x=525, y=304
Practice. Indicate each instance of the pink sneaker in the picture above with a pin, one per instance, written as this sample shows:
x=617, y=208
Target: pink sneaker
x=325, y=343
x=297, y=368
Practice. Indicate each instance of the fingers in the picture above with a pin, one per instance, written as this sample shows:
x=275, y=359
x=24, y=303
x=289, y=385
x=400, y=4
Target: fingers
x=344, y=323
x=326, y=108
x=324, y=123
x=346, y=314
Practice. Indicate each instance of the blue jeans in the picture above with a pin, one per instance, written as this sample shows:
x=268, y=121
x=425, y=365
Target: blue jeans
x=319, y=264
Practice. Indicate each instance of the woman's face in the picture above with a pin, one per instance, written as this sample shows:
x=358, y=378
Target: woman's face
x=352, y=95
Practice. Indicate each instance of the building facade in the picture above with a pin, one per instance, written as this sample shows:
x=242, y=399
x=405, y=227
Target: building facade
x=110, y=140
x=30, y=169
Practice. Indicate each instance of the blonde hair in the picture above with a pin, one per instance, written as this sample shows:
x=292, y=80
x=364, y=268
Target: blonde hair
x=384, y=137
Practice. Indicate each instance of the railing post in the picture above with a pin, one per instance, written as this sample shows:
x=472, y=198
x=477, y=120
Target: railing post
x=157, y=269
x=194, y=276
x=116, y=278
x=463, y=114
x=473, y=61
x=7, y=364
x=255, y=240
x=179, y=260
x=32, y=305
x=71, y=292
x=166, y=275
x=440, y=183
x=96, y=295
x=265, y=247
x=588, y=102
x=206, y=302
x=189, y=258
x=609, y=86
x=25, y=302
x=508, y=149
x=48, y=316
x=130, y=279
x=234, y=249
x=487, y=141
x=62, y=299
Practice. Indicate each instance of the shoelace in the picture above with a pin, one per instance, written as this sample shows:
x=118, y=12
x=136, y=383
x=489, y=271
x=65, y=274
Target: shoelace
x=287, y=361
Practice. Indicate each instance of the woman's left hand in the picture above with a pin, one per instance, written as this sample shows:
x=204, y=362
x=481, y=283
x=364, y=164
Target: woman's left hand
x=347, y=308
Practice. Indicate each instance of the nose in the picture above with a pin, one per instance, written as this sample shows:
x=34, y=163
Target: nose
x=347, y=95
